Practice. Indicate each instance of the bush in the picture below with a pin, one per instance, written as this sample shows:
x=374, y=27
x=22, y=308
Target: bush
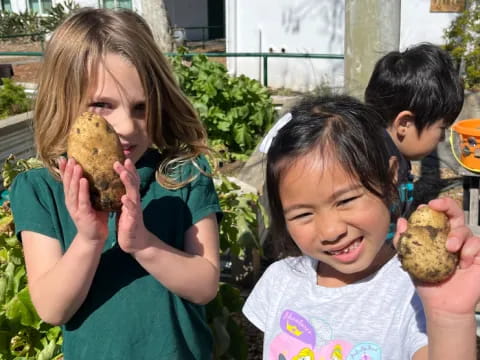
x=13, y=99
x=236, y=111
x=463, y=42
x=30, y=22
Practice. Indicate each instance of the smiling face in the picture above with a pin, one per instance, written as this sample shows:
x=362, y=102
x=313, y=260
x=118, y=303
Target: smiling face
x=334, y=219
x=118, y=96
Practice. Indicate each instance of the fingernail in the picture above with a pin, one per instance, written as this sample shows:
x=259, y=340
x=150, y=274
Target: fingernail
x=452, y=243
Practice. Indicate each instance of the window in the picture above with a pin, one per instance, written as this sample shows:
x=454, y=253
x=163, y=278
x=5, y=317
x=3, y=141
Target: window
x=5, y=5
x=112, y=4
x=40, y=6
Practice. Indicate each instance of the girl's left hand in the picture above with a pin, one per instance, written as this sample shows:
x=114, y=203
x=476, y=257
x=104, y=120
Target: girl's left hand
x=132, y=234
x=460, y=293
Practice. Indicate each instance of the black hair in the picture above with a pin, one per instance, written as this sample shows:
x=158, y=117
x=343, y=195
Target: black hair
x=339, y=125
x=422, y=79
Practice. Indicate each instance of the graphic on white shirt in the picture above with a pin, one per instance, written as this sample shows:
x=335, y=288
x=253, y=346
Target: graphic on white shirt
x=298, y=340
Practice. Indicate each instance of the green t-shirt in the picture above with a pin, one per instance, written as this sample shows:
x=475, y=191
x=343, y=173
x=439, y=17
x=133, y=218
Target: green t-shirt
x=127, y=314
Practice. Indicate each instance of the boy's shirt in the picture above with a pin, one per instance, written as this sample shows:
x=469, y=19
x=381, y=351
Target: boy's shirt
x=405, y=183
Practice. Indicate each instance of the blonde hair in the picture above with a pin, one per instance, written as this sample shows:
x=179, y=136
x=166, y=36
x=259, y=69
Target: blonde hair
x=79, y=44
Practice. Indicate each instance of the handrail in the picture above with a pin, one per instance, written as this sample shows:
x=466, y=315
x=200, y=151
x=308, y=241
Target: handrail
x=262, y=55
x=21, y=53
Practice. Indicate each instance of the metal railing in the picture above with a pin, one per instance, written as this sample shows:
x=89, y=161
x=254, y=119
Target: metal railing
x=264, y=56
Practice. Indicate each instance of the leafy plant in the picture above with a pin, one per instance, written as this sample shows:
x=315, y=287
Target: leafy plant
x=57, y=14
x=22, y=334
x=238, y=234
x=236, y=111
x=12, y=167
x=463, y=42
x=13, y=99
x=30, y=22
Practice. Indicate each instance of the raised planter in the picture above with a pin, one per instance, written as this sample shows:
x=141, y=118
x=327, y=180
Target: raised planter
x=16, y=137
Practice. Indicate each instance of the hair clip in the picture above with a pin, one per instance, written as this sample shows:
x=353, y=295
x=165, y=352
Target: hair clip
x=267, y=140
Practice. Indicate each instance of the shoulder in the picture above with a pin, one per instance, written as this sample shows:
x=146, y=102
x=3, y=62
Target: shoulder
x=30, y=180
x=198, y=168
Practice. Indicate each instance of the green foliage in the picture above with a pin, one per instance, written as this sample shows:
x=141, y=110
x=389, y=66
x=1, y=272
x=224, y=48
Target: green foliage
x=57, y=14
x=12, y=167
x=240, y=218
x=22, y=334
x=13, y=99
x=238, y=234
x=229, y=338
x=463, y=42
x=236, y=111
x=30, y=22
x=25, y=22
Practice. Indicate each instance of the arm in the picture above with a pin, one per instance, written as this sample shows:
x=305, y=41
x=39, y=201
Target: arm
x=450, y=306
x=59, y=282
x=199, y=264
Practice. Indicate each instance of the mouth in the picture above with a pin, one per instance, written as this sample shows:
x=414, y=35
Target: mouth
x=345, y=250
x=127, y=148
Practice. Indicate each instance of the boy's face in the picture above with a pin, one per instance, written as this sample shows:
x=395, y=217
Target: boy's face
x=415, y=147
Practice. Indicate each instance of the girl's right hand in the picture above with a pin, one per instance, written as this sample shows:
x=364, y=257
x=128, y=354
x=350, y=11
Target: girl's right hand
x=91, y=225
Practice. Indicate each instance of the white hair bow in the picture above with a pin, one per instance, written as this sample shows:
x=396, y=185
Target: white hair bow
x=267, y=140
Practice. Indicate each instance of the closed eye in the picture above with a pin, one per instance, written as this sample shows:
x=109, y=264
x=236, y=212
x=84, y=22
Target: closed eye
x=102, y=105
x=347, y=200
x=301, y=216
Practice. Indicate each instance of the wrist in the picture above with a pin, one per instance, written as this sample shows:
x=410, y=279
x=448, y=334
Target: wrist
x=443, y=319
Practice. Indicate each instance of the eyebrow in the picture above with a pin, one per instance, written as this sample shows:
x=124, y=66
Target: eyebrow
x=334, y=196
x=111, y=100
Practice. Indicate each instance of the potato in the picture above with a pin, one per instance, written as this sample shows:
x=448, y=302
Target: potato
x=93, y=143
x=422, y=250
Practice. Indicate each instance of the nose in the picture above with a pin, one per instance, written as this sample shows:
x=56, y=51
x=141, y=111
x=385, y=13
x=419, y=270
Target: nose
x=123, y=122
x=331, y=227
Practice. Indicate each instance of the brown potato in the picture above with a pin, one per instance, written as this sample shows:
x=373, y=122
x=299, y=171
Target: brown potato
x=422, y=250
x=93, y=143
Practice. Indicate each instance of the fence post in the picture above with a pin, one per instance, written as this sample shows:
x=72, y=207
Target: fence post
x=265, y=70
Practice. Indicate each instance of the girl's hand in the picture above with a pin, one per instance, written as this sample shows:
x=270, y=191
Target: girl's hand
x=90, y=224
x=461, y=292
x=132, y=234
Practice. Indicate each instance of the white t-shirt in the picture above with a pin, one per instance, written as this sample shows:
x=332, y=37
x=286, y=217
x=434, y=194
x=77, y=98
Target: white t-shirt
x=379, y=317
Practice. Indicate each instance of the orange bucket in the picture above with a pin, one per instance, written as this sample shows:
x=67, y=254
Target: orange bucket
x=469, y=146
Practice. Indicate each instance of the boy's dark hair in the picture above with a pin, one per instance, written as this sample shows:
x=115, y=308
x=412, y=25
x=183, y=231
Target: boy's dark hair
x=339, y=125
x=422, y=79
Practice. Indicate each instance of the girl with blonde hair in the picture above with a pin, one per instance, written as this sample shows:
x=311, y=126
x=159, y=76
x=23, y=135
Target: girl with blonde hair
x=129, y=284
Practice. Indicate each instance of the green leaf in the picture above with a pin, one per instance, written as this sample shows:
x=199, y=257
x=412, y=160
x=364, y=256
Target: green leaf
x=20, y=308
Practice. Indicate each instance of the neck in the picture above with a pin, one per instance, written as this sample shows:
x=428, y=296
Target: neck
x=328, y=276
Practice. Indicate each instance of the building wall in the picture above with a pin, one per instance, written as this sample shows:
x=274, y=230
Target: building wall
x=310, y=26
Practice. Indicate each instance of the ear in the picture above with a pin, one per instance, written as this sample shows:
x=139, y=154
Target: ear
x=393, y=165
x=402, y=122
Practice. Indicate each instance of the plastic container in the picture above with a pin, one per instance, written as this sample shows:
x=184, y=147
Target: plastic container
x=469, y=145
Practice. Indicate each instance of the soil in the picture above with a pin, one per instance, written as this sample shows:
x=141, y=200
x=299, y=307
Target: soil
x=430, y=183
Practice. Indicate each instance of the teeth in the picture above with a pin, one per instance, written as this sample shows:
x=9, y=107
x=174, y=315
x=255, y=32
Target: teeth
x=355, y=245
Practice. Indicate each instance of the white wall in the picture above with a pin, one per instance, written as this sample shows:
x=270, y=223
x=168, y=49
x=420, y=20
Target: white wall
x=418, y=24
x=310, y=26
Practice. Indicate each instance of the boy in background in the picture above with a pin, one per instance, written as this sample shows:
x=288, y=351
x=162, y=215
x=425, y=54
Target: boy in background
x=419, y=94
